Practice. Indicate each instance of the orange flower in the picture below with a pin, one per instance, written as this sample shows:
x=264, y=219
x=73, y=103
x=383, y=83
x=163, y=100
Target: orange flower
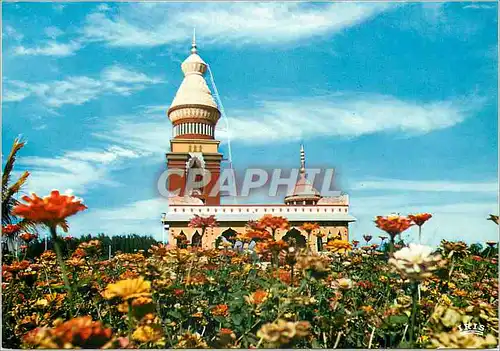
x=16, y=266
x=79, y=332
x=27, y=237
x=258, y=235
x=274, y=222
x=393, y=225
x=220, y=310
x=420, y=218
x=271, y=245
x=198, y=279
x=309, y=227
x=257, y=297
x=10, y=229
x=52, y=210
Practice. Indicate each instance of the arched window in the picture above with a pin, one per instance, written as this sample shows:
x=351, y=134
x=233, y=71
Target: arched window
x=196, y=240
x=294, y=238
x=182, y=240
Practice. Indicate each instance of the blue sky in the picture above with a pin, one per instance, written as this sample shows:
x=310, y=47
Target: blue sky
x=400, y=98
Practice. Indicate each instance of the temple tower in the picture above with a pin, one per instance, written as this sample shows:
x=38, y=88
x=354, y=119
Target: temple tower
x=194, y=115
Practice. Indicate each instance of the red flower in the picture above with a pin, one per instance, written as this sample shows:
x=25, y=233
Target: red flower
x=420, y=218
x=27, y=237
x=178, y=292
x=476, y=258
x=52, y=210
x=10, y=229
x=393, y=225
x=203, y=222
x=355, y=243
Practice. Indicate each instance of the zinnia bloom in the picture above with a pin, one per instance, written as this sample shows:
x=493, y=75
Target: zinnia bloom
x=52, y=210
x=309, y=227
x=220, y=310
x=340, y=246
x=420, y=218
x=79, y=332
x=283, y=332
x=257, y=297
x=416, y=262
x=274, y=223
x=367, y=238
x=10, y=229
x=128, y=289
x=393, y=225
x=27, y=237
x=147, y=333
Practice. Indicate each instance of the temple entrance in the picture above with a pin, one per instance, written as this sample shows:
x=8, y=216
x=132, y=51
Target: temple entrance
x=294, y=238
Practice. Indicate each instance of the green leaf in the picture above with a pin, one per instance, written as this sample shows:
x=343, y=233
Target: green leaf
x=398, y=320
x=237, y=319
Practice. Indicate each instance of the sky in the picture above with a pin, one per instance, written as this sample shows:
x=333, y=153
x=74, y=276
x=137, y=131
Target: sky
x=401, y=99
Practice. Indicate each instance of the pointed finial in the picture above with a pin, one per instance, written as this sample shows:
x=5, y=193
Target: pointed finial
x=302, y=159
x=193, y=45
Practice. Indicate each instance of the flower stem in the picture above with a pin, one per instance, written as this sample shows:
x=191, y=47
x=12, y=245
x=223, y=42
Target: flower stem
x=391, y=245
x=414, y=296
x=420, y=234
x=129, y=319
x=60, y=260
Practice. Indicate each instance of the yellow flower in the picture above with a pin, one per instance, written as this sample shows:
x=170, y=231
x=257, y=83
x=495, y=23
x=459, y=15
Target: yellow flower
x=340, y=246
x=147, y=333
x=282, y=332
x=41, y=302
x=459, y=340
x=128, y=289
x=344, y=283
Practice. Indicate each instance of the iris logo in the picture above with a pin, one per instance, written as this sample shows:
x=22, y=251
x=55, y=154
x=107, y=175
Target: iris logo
x=472, y=328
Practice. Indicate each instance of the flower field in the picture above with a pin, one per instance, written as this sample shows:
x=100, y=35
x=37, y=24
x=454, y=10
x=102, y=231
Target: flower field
x=349, y=296
x=264, y=293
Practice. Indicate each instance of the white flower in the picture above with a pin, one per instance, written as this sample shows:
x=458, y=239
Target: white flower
x=416, y=262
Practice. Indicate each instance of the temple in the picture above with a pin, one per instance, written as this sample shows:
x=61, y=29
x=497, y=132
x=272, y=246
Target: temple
x=193, y=148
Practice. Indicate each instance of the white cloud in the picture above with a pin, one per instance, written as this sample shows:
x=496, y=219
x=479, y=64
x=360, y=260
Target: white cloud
x=480, y=6
x=344, y=114
x=148, y=136
x=77, y=170
x=119, y=74
x=11, y=32
x=51, y=48
x=263, y=23
x=80, y=89
x=53, y=32
x=426, y=186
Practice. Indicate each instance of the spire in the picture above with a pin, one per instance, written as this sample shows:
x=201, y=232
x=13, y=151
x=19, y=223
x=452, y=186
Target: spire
x=193, y=44
x=302, y=160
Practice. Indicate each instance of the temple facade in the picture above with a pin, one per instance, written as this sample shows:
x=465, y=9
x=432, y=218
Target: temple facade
x=193, y=148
